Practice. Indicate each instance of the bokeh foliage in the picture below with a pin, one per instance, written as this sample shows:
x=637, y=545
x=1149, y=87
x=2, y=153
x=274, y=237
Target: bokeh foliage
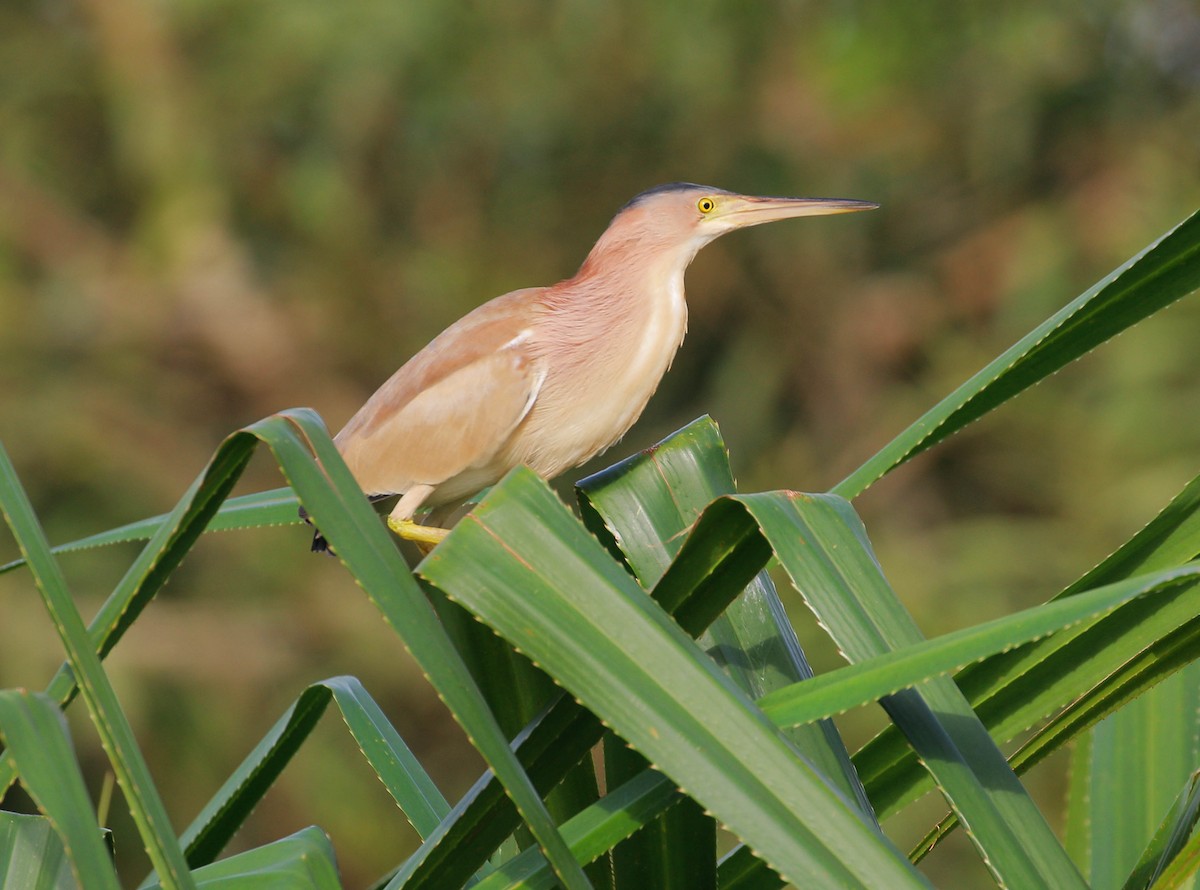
x=212, y=210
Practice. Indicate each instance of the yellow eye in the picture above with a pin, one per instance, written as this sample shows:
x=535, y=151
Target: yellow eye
x=705, y=205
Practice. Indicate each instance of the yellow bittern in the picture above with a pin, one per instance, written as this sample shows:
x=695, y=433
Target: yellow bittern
x=551, y=376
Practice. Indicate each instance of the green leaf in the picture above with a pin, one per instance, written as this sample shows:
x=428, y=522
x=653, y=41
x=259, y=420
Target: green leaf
x=1141, y=756
x=485, y=816
x=524, y=565
x=36, y=735
x=162, y=554
x=1150, y=665
x=1076, y=836
x=823, y=547
x=1170, y=840
x=395, y=765
x=363, y=544
x=675, y=851
x=1090, y=669
x=276, y=507
x=867, y=681
x=116, y=735
x=302, y=860
x=592, y=832
x=1158, y=276
x=646, y=505
x=384, y=749
x=874, y=678
x=32, y=855
x=742, y=870
x=517, y=693
x=679, y=848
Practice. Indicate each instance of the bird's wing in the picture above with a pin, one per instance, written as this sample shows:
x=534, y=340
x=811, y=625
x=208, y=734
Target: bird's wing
x=452, y=406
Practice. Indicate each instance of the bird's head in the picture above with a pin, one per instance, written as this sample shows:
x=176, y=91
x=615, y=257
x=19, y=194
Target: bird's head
x=675, y=220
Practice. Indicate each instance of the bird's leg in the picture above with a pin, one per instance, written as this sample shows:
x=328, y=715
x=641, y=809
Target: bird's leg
x=412, y=531
x=401, y=522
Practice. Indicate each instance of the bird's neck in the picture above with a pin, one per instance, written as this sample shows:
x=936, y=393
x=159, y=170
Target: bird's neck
x=612, y=331
x=633, y=261
x=627, y=299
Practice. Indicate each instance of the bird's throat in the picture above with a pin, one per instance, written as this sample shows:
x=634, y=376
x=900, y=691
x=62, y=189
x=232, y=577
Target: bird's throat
x=607, y=355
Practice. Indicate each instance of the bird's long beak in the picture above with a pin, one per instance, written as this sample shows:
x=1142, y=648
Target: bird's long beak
x=746, y=210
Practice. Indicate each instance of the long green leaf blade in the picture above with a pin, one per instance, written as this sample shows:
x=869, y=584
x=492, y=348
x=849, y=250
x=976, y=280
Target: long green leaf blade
x=858, y=684
x=485, y=816
x=166, y=548
x=823, y=547
x=1170, y=838
x=1092, y=668
x=1141, y=755
x=395, y=765
x=1172, y=858
x=870, y=680
x=383, y=748
x=310, y=463
x=113, y=727
x=648, y=503
x=592, y=832
x=1158, y=276
x=876, y=677
x=293, y=438
x=301, y=860
x=263, y=508
x=32, y=856
x=1151, y=665
x=36, y=734
x=525, y=566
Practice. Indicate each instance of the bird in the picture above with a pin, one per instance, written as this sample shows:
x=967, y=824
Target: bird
x=546, y=377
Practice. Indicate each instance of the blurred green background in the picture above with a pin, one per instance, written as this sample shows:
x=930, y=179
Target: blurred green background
x=211, y=210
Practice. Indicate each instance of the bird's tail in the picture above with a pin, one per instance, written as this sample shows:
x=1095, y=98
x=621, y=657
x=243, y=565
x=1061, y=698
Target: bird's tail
x=319, y=542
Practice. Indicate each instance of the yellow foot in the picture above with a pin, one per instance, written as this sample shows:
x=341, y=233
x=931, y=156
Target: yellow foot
x=422, y=534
